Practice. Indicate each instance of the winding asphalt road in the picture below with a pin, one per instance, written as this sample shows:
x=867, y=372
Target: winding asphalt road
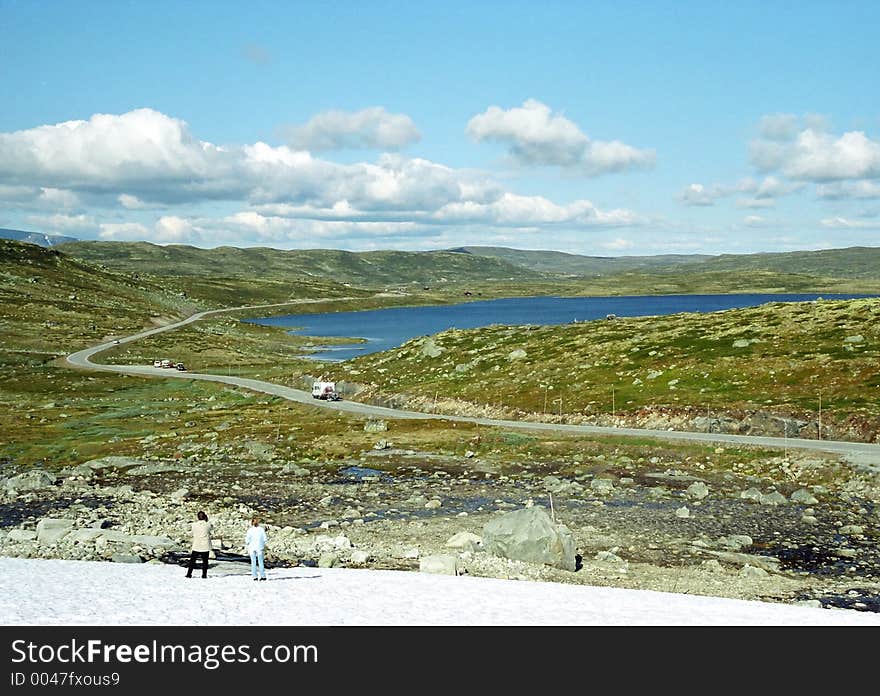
x=857, y=453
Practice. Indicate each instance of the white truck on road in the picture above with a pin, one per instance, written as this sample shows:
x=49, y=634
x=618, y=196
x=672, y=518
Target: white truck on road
x=324, y=390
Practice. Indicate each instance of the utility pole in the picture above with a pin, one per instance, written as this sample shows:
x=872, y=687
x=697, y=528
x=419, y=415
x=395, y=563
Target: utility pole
x=820, y=415
x=613, y=404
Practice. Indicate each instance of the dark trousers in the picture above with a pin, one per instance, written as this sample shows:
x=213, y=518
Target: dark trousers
x=192, y=563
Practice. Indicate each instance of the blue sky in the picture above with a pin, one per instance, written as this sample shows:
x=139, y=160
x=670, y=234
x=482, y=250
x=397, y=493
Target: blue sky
x=603, y=128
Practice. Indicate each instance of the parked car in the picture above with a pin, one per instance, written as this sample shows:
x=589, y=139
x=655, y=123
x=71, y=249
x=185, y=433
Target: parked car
x=157, y=363
x=180, y=366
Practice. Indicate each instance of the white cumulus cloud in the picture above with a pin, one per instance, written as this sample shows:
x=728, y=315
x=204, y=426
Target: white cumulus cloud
x=811, y=153
x=144, y=159
x=842, y=223
x=536, y=136
x=63, y=223
x=701, y=195
x=841, y=190
x=373, y=127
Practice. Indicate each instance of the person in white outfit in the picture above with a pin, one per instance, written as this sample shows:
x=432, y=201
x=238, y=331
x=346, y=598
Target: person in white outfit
x=255, y=542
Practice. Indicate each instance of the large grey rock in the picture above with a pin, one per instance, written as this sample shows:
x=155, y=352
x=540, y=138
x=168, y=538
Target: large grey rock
x=126, y=558
x=32, y=480
x=697, y=490
x=530, y=535
x=602, y=486
x=84, y=536
x=375, y=426
x=359, y=557
x=430, y=349
x=149, y=469
x=441, y=564
x=768, y=563
x=51, y=530
x=803, y=496
x=327, y=560
x=113, y=462
x=749, y=571
x=774, y=498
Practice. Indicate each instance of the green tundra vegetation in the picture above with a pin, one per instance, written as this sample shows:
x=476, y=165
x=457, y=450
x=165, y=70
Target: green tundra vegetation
x=52, y=302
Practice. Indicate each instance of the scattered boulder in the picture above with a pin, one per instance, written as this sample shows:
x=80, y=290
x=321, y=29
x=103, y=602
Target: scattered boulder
x=697, y=490
x=22, y=535
x=851, y=529
x=683, y=512
x=359, y=557
x=126, y=558
x=328, y=560
x=441, y=564
x=774, y=498
x=735, y=542
x=803, y=496
x=602, y=486
x=750, y=571
x=608, y=557
x=51, y=530
x=530, y=535
x=433, y=504
x=32, y=480
x=430, y=349
x=375, y=426
x=466, y=541
x=149, y=469
x=113, y=462
x=294, y=470
x=517, y=354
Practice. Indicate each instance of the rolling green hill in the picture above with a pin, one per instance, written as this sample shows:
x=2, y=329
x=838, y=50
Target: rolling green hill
x=853, y=262
x=364, y=269
x=575, y=264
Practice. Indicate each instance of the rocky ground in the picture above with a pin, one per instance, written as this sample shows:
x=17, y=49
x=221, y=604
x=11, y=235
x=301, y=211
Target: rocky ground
x=796, y=528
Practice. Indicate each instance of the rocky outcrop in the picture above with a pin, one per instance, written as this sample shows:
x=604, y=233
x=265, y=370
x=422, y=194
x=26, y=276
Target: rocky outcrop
x=32, y=480
x=530, y=535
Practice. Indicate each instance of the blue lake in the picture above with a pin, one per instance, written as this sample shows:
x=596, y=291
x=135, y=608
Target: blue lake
x=383, y=329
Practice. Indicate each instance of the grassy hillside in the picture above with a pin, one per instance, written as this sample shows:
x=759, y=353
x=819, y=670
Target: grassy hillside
x=780, y=357
x=575, y=264
x=367, y=269
x=50, y=303
x=852, y=263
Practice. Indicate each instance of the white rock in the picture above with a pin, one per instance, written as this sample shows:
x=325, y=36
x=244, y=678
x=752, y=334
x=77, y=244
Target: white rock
x=464, y=540
x=697, y=490
x=441, y=564
x=683, y=512
x=359, y=557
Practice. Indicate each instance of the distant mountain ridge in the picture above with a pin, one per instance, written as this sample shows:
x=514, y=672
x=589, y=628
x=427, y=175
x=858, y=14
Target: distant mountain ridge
x=44, y=240
x=851, y=262
x=369, y=268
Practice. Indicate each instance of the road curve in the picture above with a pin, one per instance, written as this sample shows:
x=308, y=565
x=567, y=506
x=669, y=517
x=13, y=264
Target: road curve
x=858, y=453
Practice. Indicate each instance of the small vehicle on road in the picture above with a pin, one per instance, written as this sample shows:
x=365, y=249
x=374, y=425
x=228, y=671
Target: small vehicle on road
x=157, y=363
x=181, y=367
x=325, y=390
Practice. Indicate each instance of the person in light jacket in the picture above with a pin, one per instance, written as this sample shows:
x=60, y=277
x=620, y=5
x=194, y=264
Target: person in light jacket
x=201, y=544
x=255, y=542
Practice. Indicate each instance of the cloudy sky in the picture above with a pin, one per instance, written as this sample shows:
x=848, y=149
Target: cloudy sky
x=601, y=128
